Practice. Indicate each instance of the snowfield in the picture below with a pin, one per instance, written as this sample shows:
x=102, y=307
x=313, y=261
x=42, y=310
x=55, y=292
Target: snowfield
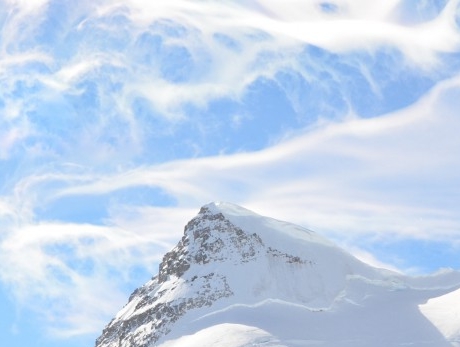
x=237, y=279
x=222, y=335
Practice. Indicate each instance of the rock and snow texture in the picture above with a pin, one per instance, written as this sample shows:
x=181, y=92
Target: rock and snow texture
x=237, y=279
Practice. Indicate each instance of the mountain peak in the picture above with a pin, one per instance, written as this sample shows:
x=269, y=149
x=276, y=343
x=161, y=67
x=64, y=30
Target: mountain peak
x=210, y=236
x=226, y=208
x=235, y=266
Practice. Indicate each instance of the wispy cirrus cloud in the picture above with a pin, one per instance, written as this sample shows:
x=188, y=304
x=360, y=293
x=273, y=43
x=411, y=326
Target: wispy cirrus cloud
x=121, y=59
x=66, y=265
x=365, y=169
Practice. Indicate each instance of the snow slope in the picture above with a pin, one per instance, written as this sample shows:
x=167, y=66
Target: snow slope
x=239, y=279
x=444, y=313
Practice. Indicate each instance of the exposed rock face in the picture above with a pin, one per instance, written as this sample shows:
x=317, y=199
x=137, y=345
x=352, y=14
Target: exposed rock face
x=212, y=237
x=153, y=308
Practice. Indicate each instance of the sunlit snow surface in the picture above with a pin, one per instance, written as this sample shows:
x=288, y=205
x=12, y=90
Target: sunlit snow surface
x=444, y=313
x=298, y=290
x=235, y=335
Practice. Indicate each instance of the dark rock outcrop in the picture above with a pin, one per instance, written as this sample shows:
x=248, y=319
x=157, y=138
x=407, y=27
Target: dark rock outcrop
x=209, y=237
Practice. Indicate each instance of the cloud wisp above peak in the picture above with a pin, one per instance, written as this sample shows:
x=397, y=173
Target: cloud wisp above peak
x=377, y=159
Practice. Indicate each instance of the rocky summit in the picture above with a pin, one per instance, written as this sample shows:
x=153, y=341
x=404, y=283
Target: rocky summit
x=239, y=279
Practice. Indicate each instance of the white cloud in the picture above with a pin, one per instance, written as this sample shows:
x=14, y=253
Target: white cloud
x=356, y=24
x=20, y=22
x=257, y=28
x=9, y=138
x=81, y=269
x=370, y=259
x=393, y=175
x=258, y=39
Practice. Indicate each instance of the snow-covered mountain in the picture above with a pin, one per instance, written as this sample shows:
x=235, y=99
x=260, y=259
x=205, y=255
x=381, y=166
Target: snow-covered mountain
x=237, y=279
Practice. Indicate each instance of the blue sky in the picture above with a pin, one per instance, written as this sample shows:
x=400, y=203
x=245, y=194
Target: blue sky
x=119, y=119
